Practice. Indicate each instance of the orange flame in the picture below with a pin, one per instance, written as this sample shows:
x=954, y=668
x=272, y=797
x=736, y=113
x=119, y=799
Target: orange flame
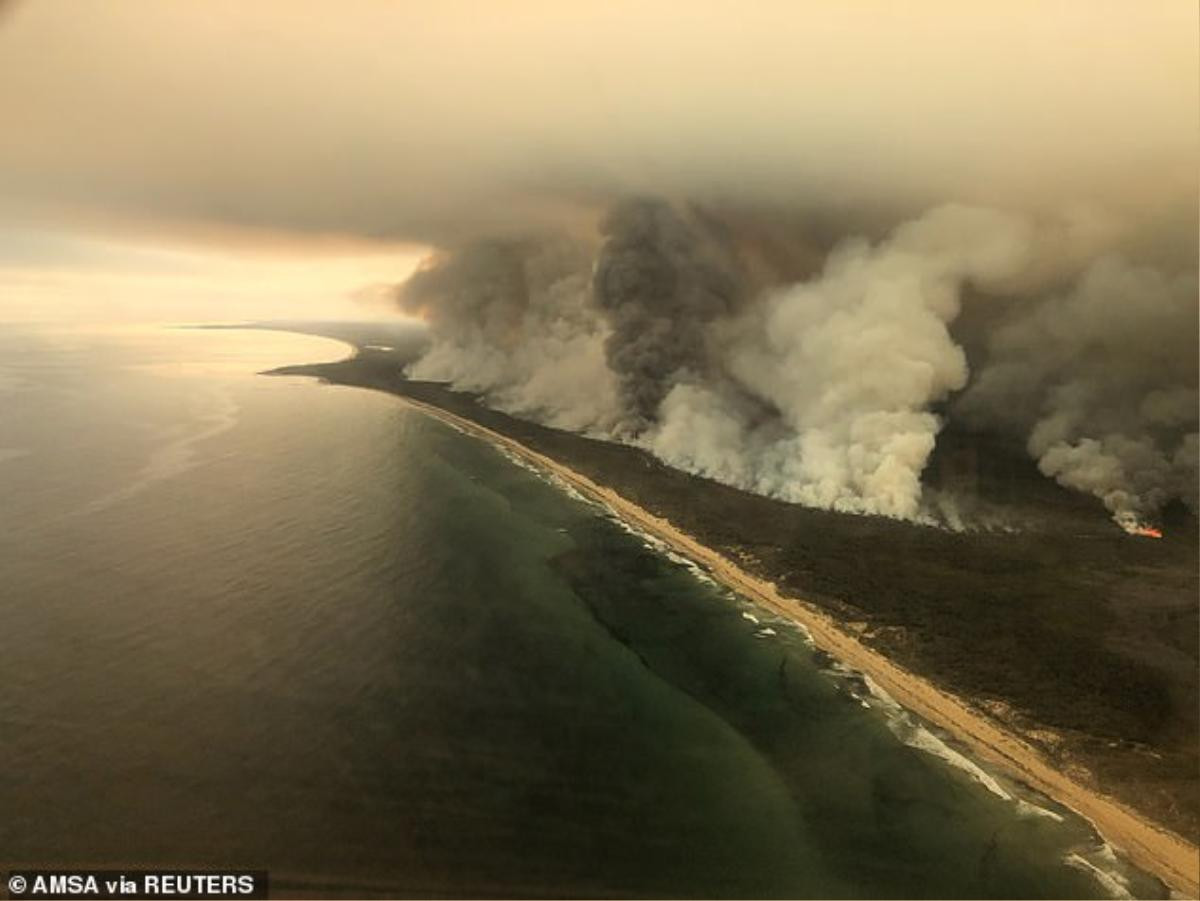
x=1146, y=531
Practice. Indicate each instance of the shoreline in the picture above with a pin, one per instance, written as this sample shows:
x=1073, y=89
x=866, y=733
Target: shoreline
x=1151, y=847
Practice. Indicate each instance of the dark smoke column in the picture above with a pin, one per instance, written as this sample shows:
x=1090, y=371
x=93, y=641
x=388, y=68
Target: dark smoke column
x=658, y=281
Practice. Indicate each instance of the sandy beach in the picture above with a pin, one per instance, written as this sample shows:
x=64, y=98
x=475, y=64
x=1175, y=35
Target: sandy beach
x=1168, y=856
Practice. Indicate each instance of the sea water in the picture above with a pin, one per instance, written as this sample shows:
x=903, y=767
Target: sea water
x=260, y=622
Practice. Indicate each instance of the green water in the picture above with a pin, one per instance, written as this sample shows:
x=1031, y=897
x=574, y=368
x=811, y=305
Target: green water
x=265, y=623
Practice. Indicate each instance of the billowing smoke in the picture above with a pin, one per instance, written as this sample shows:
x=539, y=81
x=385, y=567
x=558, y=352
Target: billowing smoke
x=850, y=363
x=830, y=390
x=659, y=283
x=1102, y=382
x=740, y=331
x=510, y=320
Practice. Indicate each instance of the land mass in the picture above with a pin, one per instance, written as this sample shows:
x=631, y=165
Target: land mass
x=1064, y=651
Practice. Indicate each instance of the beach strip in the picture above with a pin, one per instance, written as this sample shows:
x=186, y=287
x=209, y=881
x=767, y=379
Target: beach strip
x=1156, y=850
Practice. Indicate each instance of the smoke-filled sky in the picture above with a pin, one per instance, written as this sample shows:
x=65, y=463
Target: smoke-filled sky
x=779, y=244
x=402, y=121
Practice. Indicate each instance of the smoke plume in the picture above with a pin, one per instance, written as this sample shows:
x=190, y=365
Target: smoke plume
x=849, y=364
x=830, y=390
x=880, y=220
x=659, y=284
x=1102, y=382
x=510, y=320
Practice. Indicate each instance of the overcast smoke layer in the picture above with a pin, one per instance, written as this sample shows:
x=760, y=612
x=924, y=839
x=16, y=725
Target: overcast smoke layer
x=823, y=391
x=437, y=122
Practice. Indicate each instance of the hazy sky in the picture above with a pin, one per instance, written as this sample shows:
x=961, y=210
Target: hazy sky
x=306, y=136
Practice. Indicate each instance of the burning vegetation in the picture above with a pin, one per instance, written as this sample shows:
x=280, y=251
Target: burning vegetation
x=729, y=346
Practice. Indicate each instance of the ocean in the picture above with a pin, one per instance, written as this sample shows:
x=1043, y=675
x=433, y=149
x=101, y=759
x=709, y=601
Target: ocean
x=259, y=622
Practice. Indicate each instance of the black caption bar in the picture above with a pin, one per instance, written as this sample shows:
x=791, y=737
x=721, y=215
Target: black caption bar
x=181, y=884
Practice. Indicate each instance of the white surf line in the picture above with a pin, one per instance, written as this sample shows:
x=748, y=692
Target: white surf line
x=1148, y=845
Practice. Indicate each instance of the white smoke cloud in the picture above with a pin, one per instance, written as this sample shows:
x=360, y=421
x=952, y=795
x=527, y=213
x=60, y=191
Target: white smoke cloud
x=851, y=362
x=1102, y=381
x=510, y=321
x=831, y=391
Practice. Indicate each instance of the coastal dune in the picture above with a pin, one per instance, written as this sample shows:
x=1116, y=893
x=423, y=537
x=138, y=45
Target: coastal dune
x=1170, y=857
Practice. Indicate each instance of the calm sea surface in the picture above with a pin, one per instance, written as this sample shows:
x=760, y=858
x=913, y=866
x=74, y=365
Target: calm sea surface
x=258, y=622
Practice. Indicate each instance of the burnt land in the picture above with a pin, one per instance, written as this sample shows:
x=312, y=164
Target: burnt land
x=1082, y=639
